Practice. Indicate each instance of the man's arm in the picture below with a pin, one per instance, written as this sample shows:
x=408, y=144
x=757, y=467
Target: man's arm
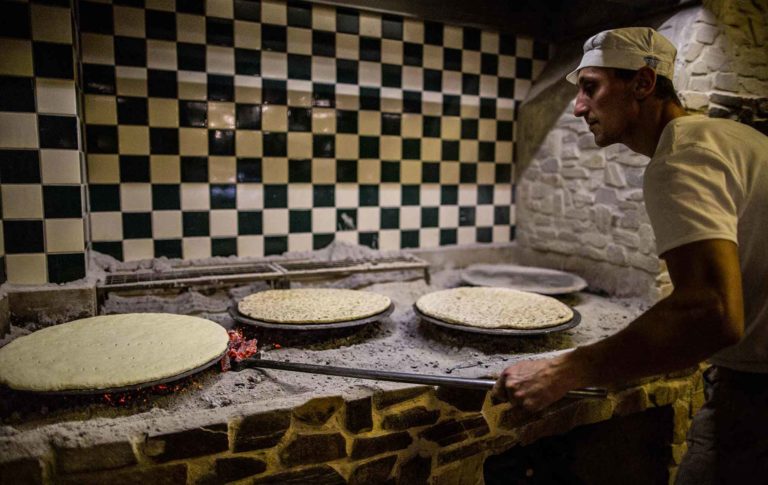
x=703, y=314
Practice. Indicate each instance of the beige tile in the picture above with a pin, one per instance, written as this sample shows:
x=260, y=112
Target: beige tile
x=223, y=223
x=347, y=195
x=324, y=18
x=299, y=145
x=451, y=82
x=389, y=195
x=193, y=85
x=166, y=224
x=133, y=140
x=248, y=89
x=507, y=66
x=129, y=21
x=60, y=166
x=300, y=242
x=433, y=57
x=346, y=236
x=429, y=194
x=390, y=148
x=220, y=8
x=347, y=146
x=324, y=219
x=248, y=143
x=489, y=42
x=468, y=150
x=23, y=201
x=501, y=234
x=131, y=81
x=453, y=37
x=324, y=70
x=250, y=196
x=392, y=52
x=505, y=109
x=470, y=62
x=2, y=239
x=486, y=173
x=221, y=115
x=100, y=109
x=300, y=196
x=274, y=118
x=369, y=171
x=410, y=217
x=103, y=169
x=220, y=60
x=300, y=93
x=196, y=247
x=489, y=86
x=487, y=130
x=449, y=173
x=274, y=12
x=410, y=172
x=195, y=197
x=431, y=149
x=411, y=125
x=193, y=141
x=190, y=28
x=470, y=106
x=413, y=31
x=368, y=219
x=222, y=170
x=17, y=57
x=324, y=120
x=413, y=78
x=323, y=170
x=163, y=112
x=97, y=48
x=522, y=86
x=347, y=46
x=450, y=128
x=369, y=123
x=137, y=249
x=165, y=169
x=64, y=235
x=369, y=74
x=51, y=24
x=275, y=222
x=524, y=46
x=274, y=170
x=503, y=152
x=106, y=226
x=165, y=5
x=26, y=269
x=56, y=96
x=18, y=130
x=135, y=197
x=247, y=35
x=161, y=54
x=299, y=41
x=432, y=103
x=370, y=24
x=250, y=246
x=391, y=100
x=502, y=194
x=274, y=65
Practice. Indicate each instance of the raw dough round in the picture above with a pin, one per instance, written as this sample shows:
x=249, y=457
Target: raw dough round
x=110, y=351
x=312, y=305
x=488, y=307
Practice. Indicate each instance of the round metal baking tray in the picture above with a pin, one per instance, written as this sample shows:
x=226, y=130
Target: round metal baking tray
x=509, y=332
x=239, y=317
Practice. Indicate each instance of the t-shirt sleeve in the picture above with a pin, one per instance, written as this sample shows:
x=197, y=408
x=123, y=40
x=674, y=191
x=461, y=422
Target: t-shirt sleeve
x=691, y=196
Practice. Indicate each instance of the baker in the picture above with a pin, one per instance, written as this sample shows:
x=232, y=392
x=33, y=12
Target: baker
x=706, y=194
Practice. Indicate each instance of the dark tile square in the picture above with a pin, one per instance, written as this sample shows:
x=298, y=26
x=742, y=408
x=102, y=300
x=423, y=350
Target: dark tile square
x=390, y=218
x=273, y=37
x=299, y=119
x=451, y=59
x=488, y=108
x=430, y=216
x=247, y=62
x=392, y=27
x=134, y=168
x=223, y=196
x=413, y=54
x=274, y=92
x=300, y=14
x=411, y=102
x=166, y=197
x=370, y=49
x=368, y=195
x=248, y=116
x=323, y=95
x=323, y=43
x=450, y=150
x=194, y=169
x=409, y=239
x=540, y=50
x=449, y=194
x=523, y=68
x=471, y=39
x=62, y=201
x=451, y=105
x=504, y=130
x=433, y=33
x=276, y=196
x=319, y=241
x=15, y=19
x=137, y=225
x=346, y=71
x=347, y=21
x=411, y=148
x=508, y=44
x=300, y=171
x=430, y=172
x=169, y=248
x=448, y=237
x=275, y=144
x=512, y=232
x=485, y=194
x=369, y=147
x=20, y=166
x=193, y=114
x=433, y=80
x=219, y=31
x=466, y=216
x=410, y=194
x=249, y=170
x=224, y=246
x=346, y=219
x=160, y=25
x=346, y=121
x=503, y=173
x=130, y=51
x=370, y=99
x=391, y=123
x=164, y=141
x=63, y=268
x=275, y=245
x=195, y=224
x=468, y=173
x=299, y=67
x=391, y=76
x=431, y=126
x=248, y=10
x=57, y=131
x=196, y=7
x=470, y=84
x=53, y=60
x=96, y=17
x=249, y=223
x=323, y=146
x=489, y=64
x=162, y=84
x=221, y=142
x=111, y=248
x=506, y=88
x=17, y=94
x=323, y=195
x=221, y=88
x=299, y=221
x=98, y=79
x=501, y=215
x=484, y=234
x=469, y=129
x=23, y=237
x=390, y=172
x=369, y=239
x=132, y=111
x=487, y=151
x=103, y=197
x=190, y=57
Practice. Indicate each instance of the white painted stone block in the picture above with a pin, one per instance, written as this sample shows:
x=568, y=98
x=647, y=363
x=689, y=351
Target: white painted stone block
x=706, y=34
x=727, y=81
x=614, y=175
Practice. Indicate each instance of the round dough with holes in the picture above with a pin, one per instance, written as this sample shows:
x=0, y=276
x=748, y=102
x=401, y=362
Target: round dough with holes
x=110, y=352
x=489, y=307
x=312, y=305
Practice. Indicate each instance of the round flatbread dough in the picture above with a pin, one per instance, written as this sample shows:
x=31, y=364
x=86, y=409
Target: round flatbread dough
x=308, y=306
x=110, y=352
x=488, y=307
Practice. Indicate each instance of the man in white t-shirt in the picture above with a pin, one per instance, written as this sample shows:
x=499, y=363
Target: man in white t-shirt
x=706, y=193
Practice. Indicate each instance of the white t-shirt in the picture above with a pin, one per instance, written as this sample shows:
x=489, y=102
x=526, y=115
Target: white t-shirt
x=708, y=179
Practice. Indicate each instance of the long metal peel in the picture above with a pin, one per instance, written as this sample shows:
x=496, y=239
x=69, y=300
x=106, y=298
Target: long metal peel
x=383, y=375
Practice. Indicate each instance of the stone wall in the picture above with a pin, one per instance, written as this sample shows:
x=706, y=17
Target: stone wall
x=580, y=207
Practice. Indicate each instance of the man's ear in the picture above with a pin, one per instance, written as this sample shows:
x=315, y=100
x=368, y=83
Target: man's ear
x=645, y=82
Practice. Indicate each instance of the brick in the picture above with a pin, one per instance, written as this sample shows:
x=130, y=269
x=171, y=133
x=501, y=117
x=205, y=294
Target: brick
x=375, y=471
x=452, y=431
x=467, y=400
x=416, y=471
x=389, y=398
x=317, y=412
x=202, y=441
x=261, y=431
x=100, y=457
x=160, y=475
x=358, y=416
x=28, y=471
x=367, y=447
x=306, y=449
x=319, y=475
x=410, y=418
x=231, y=469
x=459, y=453
x=726, y=100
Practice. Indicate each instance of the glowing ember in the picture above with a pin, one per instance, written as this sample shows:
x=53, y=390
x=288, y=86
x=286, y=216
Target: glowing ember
x=239, y=348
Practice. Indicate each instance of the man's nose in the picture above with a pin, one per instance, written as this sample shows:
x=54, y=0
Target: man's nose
x=579, y=106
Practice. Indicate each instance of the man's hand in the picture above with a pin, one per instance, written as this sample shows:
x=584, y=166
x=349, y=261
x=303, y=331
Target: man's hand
x=533, y=384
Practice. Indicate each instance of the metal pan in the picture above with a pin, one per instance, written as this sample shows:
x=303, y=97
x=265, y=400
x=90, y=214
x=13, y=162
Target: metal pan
x=506, y=332
x=240, y=318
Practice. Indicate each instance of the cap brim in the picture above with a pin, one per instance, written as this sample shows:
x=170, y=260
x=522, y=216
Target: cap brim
x=573, y=76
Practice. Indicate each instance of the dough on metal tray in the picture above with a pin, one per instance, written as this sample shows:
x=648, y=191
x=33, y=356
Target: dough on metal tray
x=488, y=307
x=312, y=305
x=110, y=351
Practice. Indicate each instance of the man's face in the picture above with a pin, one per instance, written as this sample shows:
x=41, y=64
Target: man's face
x=606, y=104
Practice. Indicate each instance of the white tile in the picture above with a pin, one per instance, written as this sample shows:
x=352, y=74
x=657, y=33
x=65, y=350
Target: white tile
x=250, y=196
x=350, y=237
x=220, y=60
x=524, y=46
x=300, y=93
x=501, y=233
x=26, y=269
x=429, y=238
x=449, y=216
x=368, y=219
x=274, y=12
x=370, y=24
x=106, y=226
x=18, y=130
x=166, y=225
x=275, y=222
x=131, y=81
x=161, y=54
x=502, y=194
x=250, y=246
x=274, y=65
x=507, y=66
x=136, y=249
x=347, y=195
x=195, y=197
x=323, y=220
x=220, y=8
x=64, y=235
x=23, y=201
x=389, y=195
x=196, y=247
x=324, y=69
x=413, y=31
x=484, y=216
x=135, y=197
x=489, y=42
x=452, y=82
x=323, y=18
x=193, y=86
x=56, y=96
x=430, y=195
x=300, y=196
x=489, y=86
x=413, y=78
x=410, y=217
x=60, y=166
x=466, y=235
x=223, y=223
x=369, y=74
x=299, y=242
x=248, y=35
x=389, y=239
x=453, y=37
x=432, y=103
x=467, y=195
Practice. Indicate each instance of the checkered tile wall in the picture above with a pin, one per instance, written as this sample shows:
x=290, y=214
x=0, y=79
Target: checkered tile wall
x=40, y=159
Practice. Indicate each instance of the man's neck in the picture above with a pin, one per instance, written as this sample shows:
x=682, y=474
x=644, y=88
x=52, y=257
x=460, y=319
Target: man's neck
x=653, y=117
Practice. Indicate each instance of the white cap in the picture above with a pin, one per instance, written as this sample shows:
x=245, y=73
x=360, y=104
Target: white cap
x=628, y=48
